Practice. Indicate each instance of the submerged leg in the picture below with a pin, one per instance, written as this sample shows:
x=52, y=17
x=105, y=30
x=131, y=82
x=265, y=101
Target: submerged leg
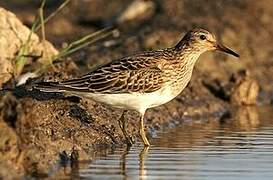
x=122, y=125
x=142, y=155
x=142, y=131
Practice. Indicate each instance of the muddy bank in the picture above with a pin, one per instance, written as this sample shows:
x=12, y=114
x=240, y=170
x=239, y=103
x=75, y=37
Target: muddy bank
x=37, y=127
x=46, y=125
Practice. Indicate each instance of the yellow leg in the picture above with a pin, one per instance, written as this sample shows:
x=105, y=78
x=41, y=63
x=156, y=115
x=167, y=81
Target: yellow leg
x=142, y=131
x=122, y=125
x=142, y=156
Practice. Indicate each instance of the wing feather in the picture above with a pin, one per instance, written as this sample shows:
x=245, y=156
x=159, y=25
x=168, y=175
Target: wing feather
x=140, y=73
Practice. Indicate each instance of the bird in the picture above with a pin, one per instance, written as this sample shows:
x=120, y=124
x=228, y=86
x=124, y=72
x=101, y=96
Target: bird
x=143, y=80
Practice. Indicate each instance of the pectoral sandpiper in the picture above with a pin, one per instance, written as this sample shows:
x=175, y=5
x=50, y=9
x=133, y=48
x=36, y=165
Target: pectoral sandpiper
x=143, y=80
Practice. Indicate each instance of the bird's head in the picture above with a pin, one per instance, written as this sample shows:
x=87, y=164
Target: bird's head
x=202, y=40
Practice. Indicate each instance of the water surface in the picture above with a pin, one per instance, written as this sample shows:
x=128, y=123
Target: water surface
x=239, y=147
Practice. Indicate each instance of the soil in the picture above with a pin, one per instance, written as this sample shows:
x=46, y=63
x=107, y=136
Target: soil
x=38, y=129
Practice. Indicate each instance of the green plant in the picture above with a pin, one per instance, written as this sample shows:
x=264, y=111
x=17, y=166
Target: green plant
x=72, y=47
x=23, y=53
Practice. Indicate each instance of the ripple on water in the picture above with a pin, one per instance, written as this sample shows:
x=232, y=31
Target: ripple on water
x=236, y=149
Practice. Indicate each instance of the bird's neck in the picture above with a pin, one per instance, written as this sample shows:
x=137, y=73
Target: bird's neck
x=187, y=50
x=186, y=54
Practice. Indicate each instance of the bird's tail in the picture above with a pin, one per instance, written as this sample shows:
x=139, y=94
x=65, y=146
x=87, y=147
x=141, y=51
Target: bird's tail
x=49, y=87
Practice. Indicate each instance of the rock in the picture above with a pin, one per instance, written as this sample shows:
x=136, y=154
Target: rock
x=137, y=10
x=241, y=89
x=245, y=90
x=13, y=36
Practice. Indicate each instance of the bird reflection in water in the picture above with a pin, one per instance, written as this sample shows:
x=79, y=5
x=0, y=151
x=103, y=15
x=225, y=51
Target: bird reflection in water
x=141, y=162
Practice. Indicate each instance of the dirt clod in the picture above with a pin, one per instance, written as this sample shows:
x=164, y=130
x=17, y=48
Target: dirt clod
x=81, y=114
x=9, y=109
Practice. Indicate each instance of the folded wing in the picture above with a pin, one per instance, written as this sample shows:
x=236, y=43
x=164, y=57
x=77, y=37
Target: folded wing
x=131, y=74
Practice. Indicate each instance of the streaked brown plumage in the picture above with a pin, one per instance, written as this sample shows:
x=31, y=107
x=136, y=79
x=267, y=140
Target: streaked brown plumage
x=144, y=80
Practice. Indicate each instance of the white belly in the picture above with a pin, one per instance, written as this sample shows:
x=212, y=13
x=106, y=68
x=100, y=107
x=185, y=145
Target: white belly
x=135, y=101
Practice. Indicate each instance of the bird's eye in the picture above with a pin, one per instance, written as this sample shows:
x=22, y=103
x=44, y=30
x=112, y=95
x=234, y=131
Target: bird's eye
x=202, y=37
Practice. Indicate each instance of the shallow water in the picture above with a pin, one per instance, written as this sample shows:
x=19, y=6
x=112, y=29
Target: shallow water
x=239, y=147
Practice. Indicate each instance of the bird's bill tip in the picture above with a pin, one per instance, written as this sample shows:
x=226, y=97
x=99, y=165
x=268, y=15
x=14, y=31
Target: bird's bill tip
x=223, y=48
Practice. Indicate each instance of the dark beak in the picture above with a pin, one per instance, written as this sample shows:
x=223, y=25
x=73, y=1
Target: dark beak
x=221, y=47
